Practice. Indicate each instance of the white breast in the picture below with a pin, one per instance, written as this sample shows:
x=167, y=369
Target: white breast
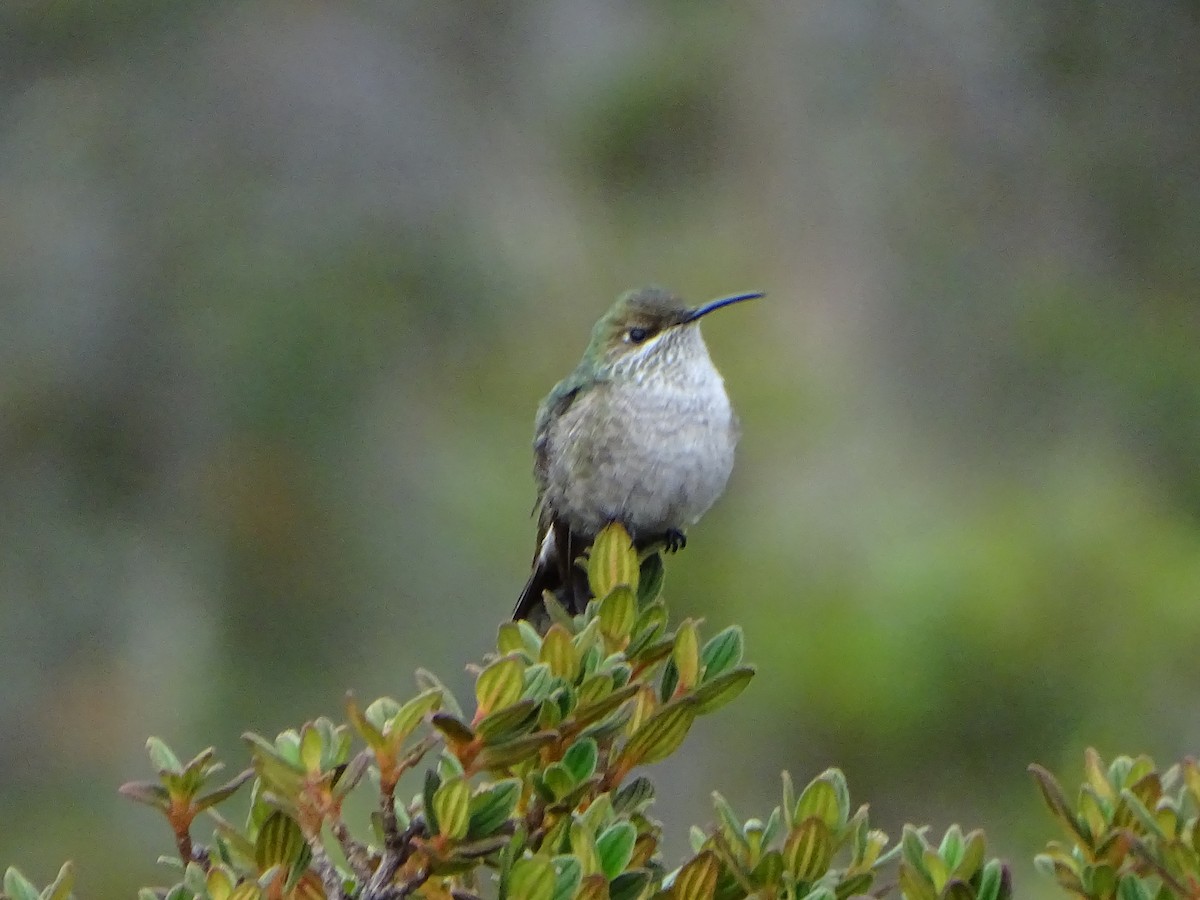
x=653, y=447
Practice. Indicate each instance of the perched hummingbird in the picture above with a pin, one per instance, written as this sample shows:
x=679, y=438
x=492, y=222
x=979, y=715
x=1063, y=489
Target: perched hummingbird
x=640, y=433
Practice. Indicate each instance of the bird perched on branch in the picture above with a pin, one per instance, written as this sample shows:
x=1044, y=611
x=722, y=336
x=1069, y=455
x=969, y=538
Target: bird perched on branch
x=640, y=433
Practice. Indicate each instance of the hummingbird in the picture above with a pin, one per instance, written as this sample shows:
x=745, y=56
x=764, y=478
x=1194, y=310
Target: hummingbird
x=641, y=433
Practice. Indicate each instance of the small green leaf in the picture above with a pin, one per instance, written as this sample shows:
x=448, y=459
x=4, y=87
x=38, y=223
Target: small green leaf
x=1056, y=801
x=729, y=824
x=402, y=723
x=649, y=626
x=60, y=888
x=280, y=842
x=660, y=735
x=629, y=885
x=311, y=747
x=974, y=848
x=277, y=772
x=634, y=796
x=555, y=783
x=428, y=790
x=451, y=803
x=505, y=724
x=820, y=799
x=615, y=848
x=913, y=846
x=594, y=687
x=583, y=846
x=224, y=792
x=539, y=682
x=990, y=881
x=162, y=757
x=509, y=753
x=936, y=868
x=500, y=684
x=427, y=682
x=650, y=579
x=618, y=612
x=1099, y=880
x=1133, y=888
x=509, y=640
x=854, y=885
x=601, y=708
x=491, y=807
x=808, y=850
x=769, y=869
x=670, y=679
x=722, y=652
x=723, y=689
x=697, y=879
x=686, y=654
x=580, y=759
x=558, y=652
x=612, y=562
x=567, y=876
x=789, y=801
x=1131, y=802
x=18, y=887
x=456, y=731
x=150, y=793
x=914, y=885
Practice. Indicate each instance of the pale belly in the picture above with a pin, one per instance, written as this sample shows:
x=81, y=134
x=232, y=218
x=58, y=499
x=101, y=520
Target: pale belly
x=655, y=460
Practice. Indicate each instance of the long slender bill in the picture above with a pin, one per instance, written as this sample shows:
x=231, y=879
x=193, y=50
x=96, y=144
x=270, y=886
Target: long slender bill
x=712, y=305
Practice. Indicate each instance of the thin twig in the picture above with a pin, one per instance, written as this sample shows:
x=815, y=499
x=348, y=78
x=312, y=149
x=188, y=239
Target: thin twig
x=356, y=853
x=330, y=879
x=394, y=856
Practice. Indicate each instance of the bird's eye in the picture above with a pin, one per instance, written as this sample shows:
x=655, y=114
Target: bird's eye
x=637, y=335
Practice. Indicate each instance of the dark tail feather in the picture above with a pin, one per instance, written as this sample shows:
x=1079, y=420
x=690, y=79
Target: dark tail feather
x=554, y=570
x=545, y=577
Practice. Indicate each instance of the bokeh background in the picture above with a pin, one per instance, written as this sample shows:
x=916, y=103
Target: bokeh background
x=282, y=282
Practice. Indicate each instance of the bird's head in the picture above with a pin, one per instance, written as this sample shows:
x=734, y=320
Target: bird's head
x=650, y=326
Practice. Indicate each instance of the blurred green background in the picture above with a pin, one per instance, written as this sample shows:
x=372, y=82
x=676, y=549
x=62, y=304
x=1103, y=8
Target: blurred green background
x=281, y=284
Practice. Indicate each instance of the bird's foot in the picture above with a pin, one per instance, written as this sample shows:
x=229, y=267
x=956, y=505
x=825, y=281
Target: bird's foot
x=674, y=540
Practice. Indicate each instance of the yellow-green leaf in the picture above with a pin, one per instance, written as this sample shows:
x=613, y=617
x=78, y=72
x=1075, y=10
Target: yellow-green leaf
x=506, y=723
x=819, y=799
x=509, y=639
x=500, y=684
x=660, y=735
x=615, y=848
x=501, y=756
x=60, y=888
x=531, y=879
x=410, y=715
x=686, y=654
x=808, y=850
x=697, y=880
x=583, y=848
x=559, y=653
x=451, y=805
x=712, y=695
x=220, y=883
x=618, y=612
x=279, y=842
x=612, y=562
x=311, y=747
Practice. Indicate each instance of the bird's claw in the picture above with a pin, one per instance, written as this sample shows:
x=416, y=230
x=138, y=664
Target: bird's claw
x=674, y=540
